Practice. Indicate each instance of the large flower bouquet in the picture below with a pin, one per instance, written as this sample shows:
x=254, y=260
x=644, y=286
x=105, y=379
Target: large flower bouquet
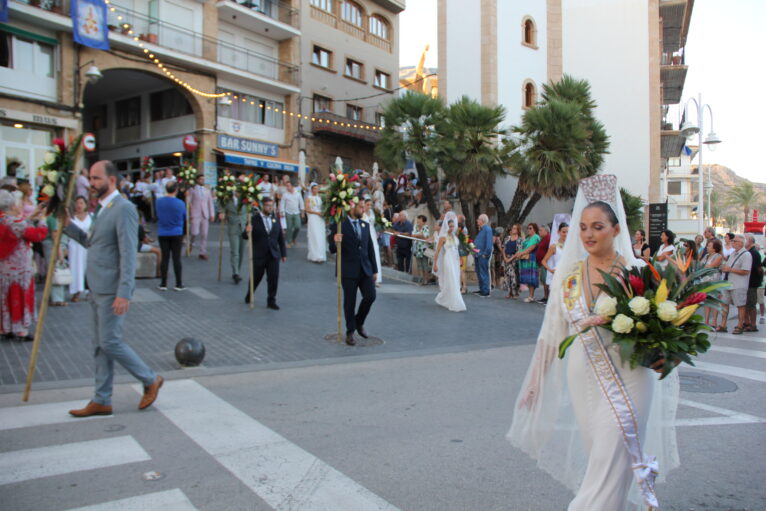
x=187, y=176
x=147, y=166
x=340, y=195
x=55, y=173
x=381, y=222
x=466, y=243
x=652, y=314
x=249, y=191
x=226, y=188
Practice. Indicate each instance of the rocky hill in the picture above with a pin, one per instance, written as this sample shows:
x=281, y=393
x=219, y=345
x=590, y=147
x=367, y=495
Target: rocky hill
x=724, y=179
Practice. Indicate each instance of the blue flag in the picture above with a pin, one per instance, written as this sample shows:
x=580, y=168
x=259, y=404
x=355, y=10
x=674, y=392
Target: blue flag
x=3, y=10
x=89, y=26
x=687, y=150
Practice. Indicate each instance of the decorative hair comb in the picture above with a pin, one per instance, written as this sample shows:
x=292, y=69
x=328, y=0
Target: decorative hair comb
x=601, y=187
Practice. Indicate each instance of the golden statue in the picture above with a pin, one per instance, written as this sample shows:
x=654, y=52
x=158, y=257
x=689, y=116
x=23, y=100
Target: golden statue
x=421, y=80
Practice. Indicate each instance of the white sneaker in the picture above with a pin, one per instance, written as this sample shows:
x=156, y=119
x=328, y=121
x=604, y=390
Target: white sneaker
x=761, y=321
x=162, y=288
x=180, y=288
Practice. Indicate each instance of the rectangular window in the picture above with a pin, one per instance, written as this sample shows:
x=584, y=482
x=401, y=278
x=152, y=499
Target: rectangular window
x=98, y=118
x=382, y=80
x=322, y=104
x=168, y=104
x=253, y=110
x=674, y=187
x=380, y=119
x=674, y=162
x=325, y=5
x=26, y=55
x=354, y=112
x=128, y=112
x=272, y=118
x=353, y=69
x=321, y=57
x=6, y=50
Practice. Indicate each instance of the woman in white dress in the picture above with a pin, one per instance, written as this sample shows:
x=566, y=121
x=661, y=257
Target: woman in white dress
x=78, y=255
x=316, y=226
x=447, y=265
x=589, y=420
x=551, y=260
x=667, y=249
x=369, y=217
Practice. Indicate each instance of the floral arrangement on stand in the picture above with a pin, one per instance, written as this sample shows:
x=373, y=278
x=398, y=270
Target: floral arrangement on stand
x=187, y=176
x=55, y=173
x=147, y=166
x=249, y=191
x=226, y=188
x=340, y=195
x=652, y=314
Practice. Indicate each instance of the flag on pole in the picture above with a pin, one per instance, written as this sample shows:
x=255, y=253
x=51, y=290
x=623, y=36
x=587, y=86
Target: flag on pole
x=3, y=10
x=89, y=23
x=687, y=150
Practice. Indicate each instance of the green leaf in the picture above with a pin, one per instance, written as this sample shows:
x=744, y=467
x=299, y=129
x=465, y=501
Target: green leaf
x=565, y=344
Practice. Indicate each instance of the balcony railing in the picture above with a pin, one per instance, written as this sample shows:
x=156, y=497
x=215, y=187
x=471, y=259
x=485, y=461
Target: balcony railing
x=326, y=122
x=180, y=39
x=280, y=11
x=331, y=19
x=675, y=58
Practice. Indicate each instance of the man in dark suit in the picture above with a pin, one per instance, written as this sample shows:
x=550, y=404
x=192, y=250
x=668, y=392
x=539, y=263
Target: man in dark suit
x=358, y=269
x=268, y=248
x=403, y=245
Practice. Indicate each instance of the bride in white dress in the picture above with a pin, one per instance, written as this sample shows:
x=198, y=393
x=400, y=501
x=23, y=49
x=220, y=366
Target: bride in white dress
x=591, y=422
x=447, y=266
x=316, y=227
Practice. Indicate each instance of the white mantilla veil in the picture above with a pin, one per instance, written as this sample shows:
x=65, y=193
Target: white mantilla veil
x=451, y=216
x=547, y=429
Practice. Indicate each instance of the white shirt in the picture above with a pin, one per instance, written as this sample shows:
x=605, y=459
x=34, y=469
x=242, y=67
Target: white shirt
x=163, y=183
x=728, y=251
x=266, y=189
x=291, y=203
x=106, y=200
x=268, y=222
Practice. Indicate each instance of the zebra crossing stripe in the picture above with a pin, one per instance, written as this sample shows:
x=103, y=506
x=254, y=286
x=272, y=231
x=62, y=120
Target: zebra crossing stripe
x=29, y=416
x=170, y=500
x=750, y=374
x=739, y=351
x=26, y=464
x=280, y=472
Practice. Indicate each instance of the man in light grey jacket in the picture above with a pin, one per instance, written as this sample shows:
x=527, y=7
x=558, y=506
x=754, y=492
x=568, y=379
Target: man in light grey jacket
x=111, y=244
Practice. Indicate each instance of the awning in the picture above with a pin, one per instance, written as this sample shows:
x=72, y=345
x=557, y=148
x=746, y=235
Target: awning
x=261, y=163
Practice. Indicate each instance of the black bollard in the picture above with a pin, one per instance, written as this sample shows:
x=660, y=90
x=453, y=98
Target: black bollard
x=190, y=352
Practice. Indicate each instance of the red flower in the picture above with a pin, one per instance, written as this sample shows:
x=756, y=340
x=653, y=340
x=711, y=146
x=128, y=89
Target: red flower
x=59, y=142
x=637, y=283
x=332, y=211
x=693, y=299
x=355, y=178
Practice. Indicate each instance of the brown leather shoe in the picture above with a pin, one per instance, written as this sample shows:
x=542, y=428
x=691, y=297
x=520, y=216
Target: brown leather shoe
x=350, y=340
x=92, y=408
x=150, y=393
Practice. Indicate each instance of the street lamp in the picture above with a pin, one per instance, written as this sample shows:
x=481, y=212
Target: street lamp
x=688, y=130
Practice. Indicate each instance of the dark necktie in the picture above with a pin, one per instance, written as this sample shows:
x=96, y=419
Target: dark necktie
x=98, y=210
x=357, y=230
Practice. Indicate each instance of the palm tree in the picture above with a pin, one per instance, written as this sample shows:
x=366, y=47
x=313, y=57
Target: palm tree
x=634, y=210
x=732, y=220
x=409, y=132
x=745, y=196
x=715, y=207
x=469, y=152
x=558, y=143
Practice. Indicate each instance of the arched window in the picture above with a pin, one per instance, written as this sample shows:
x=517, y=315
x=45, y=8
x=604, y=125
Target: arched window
x=530, y=94
x=379, y=27
x=325, y=5
x=529, y=32
x=352, y=13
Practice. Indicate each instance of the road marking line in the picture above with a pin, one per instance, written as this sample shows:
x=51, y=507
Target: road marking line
x=737, y=417
x=742, y=337
x=41, y=415
x=739, y=351
x=23, y=465
x=170, y=500
x=202, y=293
x=280, y=472
x=750, y=374
x=712, y=421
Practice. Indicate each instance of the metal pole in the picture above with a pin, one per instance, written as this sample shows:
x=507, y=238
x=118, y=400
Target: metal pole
x=700, y=209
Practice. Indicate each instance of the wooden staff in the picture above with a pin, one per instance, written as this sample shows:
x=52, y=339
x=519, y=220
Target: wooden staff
x=188, y=225
x=49, y=276
x=220, y=247
x=337, y=271
x=250, y=257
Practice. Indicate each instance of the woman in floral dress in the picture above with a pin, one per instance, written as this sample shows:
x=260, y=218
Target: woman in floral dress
x=511, y=266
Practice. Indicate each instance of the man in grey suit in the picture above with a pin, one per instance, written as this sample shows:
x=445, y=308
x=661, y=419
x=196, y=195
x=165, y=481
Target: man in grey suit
x=111, y=244
x=236, y=220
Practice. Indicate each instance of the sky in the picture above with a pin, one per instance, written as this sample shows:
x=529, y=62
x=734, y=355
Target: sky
x=725, y=66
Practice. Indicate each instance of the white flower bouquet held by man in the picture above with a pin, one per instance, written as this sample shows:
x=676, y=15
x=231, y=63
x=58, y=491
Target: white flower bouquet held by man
x=56, y=171
x=226, y=188
x=652, y=314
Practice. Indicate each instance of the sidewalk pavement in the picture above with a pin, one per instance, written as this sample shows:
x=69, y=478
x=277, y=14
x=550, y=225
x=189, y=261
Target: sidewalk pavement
x=236, y=338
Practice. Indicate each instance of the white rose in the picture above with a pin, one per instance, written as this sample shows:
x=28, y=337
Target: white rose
x=251, y=189
x=639, y=305
x=48, y=190
x=622, y=324
x=347, y=207
x=52, y=176
x=667, y=310
x=342, y=194
x=606, y=306
x=50, y=158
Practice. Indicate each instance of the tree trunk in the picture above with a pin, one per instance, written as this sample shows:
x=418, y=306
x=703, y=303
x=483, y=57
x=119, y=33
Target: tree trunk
x=469, y=209
x=502, y=215
x=528, y=207
x=423, y=180
x=517, y=203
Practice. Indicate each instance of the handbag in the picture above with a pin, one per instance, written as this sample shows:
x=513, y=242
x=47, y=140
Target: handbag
x=62, y=275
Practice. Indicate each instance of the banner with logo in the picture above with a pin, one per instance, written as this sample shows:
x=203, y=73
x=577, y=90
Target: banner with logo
x=3, y=10
x=89, y=23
